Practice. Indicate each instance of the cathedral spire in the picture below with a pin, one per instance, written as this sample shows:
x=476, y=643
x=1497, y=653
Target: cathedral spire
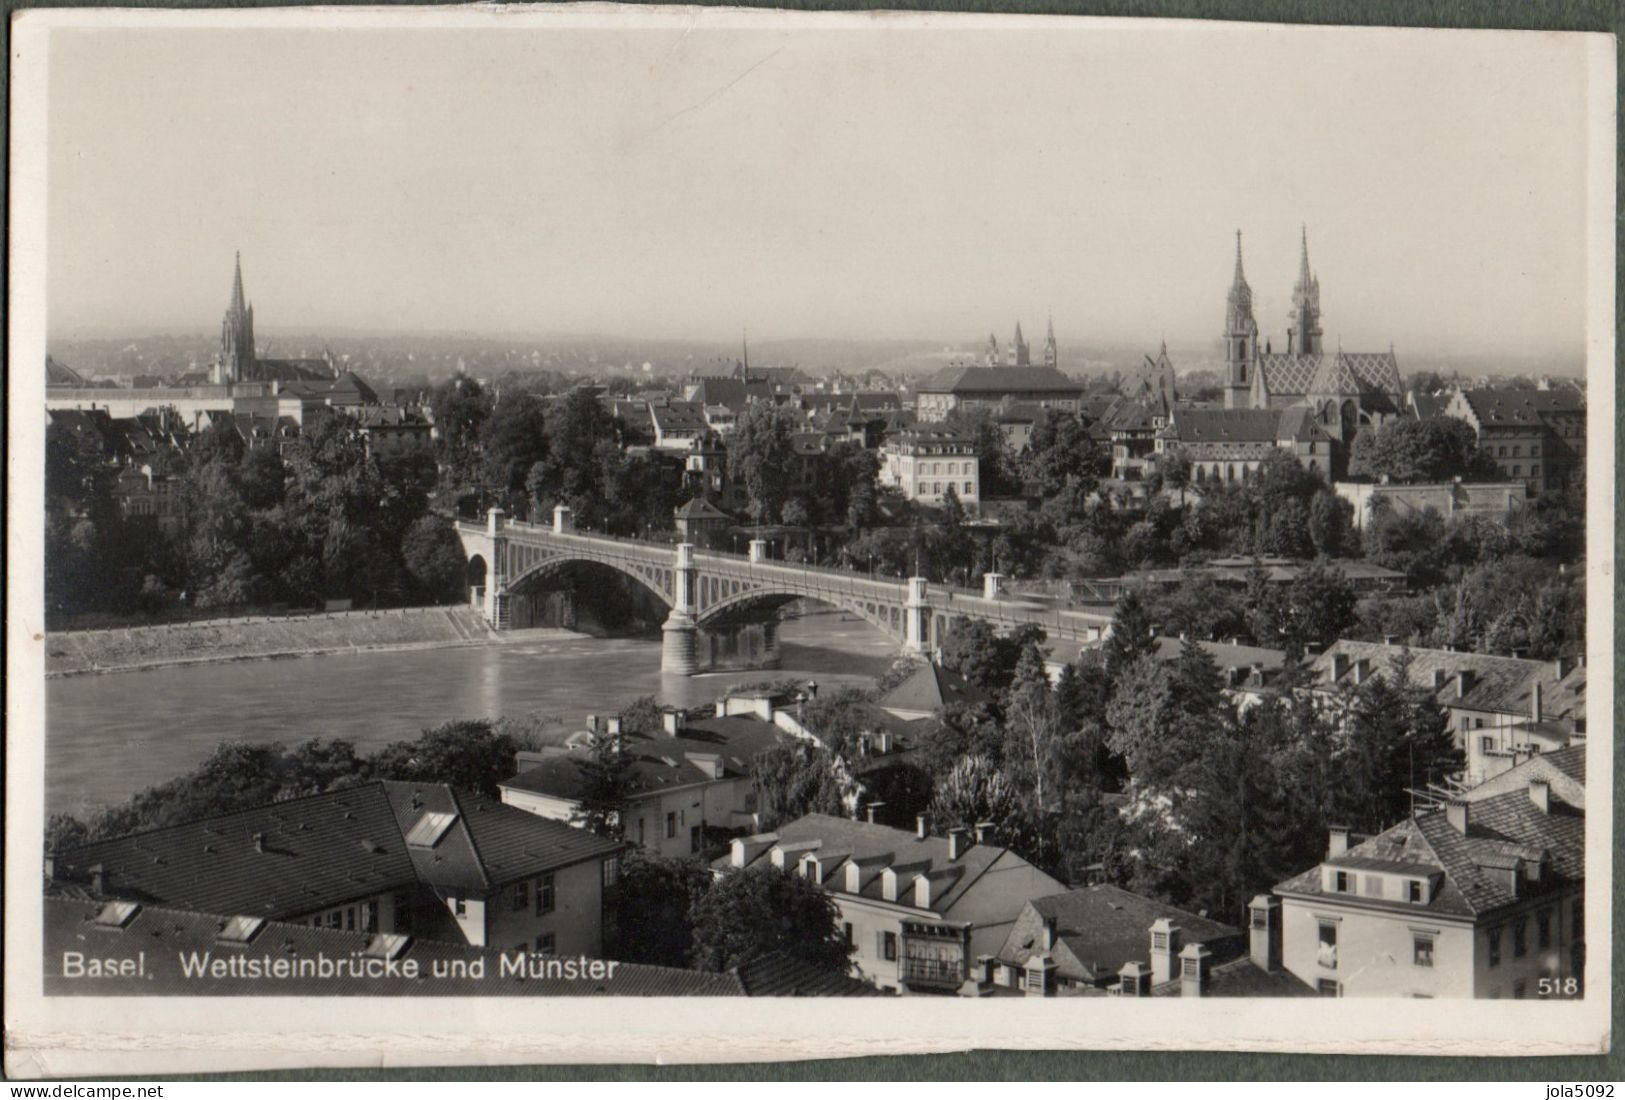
x=1304, y=335
x=1304, y=278
x=1241, y=278
x=237, y=303
x=1240, y=338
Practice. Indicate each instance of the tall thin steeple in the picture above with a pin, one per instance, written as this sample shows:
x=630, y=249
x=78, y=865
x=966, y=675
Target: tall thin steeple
x=1304, y=335
x=235, y=363
x=1051, y=356
x=238, y=304
x=1240, y=338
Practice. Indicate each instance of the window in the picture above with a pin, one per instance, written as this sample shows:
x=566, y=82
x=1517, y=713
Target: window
x=1534, y=450
x=1329, y=988
x=640, y=832
x=612, y=871
x=1422, y=950
x=1341, y=880
x=1494, y=938
x=545, y=943
x=1543, y=928
x=521, y=896
x=1516, y=450
x=1534, y=469
x=1373, y=886
x=1517, y=471
x=888, y=946
x=369, y=916
x=545, y=897
x=1327, y=954
x=1413, y=891
x=1520, y=938
x=1486, y=744
x=459, y=905
x=403, y=912
x=671, y=826
x=969, y=488
x=846, y=933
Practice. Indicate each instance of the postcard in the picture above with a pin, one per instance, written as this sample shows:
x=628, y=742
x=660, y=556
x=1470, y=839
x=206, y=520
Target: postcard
x=540, y=516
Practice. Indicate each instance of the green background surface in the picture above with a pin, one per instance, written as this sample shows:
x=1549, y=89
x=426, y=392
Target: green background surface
x=1569, y=15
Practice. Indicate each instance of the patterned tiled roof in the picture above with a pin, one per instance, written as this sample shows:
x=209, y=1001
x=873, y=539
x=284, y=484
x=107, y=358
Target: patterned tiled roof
x=1369, y=374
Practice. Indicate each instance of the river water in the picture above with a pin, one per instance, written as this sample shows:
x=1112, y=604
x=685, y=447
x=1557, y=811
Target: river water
x=108, y=737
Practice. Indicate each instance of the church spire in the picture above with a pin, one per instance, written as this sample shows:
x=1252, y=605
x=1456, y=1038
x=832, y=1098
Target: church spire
x=1241, y=278
x=1240, y=338
x=1304, y=336
x=237, y=303
x=1051, y=356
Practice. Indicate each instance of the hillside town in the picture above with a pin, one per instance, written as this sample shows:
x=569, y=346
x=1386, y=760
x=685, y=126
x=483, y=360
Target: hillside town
x=1251, y=677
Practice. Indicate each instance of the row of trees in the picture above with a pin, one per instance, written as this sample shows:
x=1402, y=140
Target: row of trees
x=320, y=518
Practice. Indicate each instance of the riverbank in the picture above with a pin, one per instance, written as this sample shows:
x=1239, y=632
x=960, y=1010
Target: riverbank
x=211, y=641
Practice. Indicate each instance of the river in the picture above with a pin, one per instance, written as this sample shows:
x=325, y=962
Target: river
x=108, y=737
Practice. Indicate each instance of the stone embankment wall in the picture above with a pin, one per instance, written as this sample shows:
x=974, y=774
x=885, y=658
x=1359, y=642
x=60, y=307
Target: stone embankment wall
x=121, y=649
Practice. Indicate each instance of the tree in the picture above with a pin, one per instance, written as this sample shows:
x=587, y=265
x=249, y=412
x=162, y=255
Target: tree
x=459, y=407
x=761, y=457
x=465, y=754
x=1130, y=636
x=1033, y=723
x=757, y=911
x=656, y=896
x=995, y=466
x=435, y=560
x=606, y=781
x=513, y=438
x=975, y=790
x=1406, y=450
x=1063, y=465
x=793, y=779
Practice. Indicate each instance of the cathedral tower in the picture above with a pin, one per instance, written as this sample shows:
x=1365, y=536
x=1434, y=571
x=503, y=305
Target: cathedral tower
x=1240, y=339
x=1019, y=354
x=236, y=360
x=1051, y=358
x=1303, y=337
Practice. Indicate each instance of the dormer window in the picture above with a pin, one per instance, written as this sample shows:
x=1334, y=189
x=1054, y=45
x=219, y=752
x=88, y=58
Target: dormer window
x=1414, y=892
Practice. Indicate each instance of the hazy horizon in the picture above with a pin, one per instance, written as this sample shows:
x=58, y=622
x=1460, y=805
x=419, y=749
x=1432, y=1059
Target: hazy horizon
x=887, y=184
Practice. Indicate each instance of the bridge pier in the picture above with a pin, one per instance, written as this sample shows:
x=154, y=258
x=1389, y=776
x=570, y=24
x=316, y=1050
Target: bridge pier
x=678, y=632
x=496, y=577
x=916, y=619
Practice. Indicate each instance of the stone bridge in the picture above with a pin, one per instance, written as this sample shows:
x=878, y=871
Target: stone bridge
x=706, y=589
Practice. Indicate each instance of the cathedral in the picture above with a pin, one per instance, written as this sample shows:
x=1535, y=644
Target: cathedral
x=239, y=361
x=1019, y=353
x=1305, y=400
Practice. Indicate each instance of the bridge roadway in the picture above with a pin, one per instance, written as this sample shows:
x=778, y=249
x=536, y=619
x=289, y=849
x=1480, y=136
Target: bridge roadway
x=709, y=588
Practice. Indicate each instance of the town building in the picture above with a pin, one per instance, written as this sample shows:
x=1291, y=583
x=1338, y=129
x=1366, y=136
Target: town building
x=1483, y=898
x=1502, y=709
x=700, y=522
x=923, y=463
x=991, y=385
x=686, y=782
x=1080, y=940
x=678, y=425
x=414, y=859
x=1534, y=436
x=917, y=908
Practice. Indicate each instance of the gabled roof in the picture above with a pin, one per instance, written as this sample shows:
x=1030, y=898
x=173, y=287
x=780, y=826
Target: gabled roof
x=698, y=508
x=1501, y=684
x=781, y=975
x=1191, y=425
x=1099, y=928
x=1521, y=408
x=991, y=380
x=325, y=849
x=679, y=416
x=1299, y=424
x=930, y=688
x=658, y=761
x=906, y=853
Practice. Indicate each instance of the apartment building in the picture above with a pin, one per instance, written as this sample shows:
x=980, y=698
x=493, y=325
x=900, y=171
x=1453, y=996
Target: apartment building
x=924, y=463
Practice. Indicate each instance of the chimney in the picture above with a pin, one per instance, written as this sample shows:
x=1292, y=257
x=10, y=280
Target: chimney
x=1340, y=666
x=1338, y=841
x=984, y=969
x=672, y=721
x=958, y=841
x=1195, y=966
x=259, y=842
x=872, y=810
x=1540, y=793
x=1563, y=666
x=1040, y=976
x=885, y=742
x=1165, y=937
x=1134, y=980
x=592, y=723
x=1535, y=693
x=98, y=879
x=1390, y=639
x=612, y=725
x=812, y=689
x=1464, y=682
x=1458, y=814
x=1264, y=932
x=922, y=826
x=984, y=832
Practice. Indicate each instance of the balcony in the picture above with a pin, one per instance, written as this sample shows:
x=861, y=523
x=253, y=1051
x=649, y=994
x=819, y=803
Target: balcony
x=946, y=973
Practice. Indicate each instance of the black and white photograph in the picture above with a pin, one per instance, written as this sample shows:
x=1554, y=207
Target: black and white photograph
x=983, y=516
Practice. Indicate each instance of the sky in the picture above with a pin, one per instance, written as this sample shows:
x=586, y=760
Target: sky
x=866, y=180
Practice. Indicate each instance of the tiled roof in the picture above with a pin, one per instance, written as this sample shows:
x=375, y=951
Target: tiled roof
x=1099, y=928
x=1372, y=375
x=699, y=508
x=1519, y=408
x=1224, y=425
x=781, y=975
x=329, y=848
x=679, y=416
x=1244, y=978
x=929, y=688
x=660, y=762
x=911, y=855
x=1500, y=684
x=989, y=380
x=166, y=934
x=1299, y=424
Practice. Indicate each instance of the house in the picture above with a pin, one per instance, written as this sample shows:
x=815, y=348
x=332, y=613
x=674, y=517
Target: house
x=700, y=522
x=690, y=779
x=1081, y=940
x=1484, y=898
x=1534, y=436
x=384, y=857
x=989, y=387
x=1501, y=708
x=917, y=908
x=678, y=425
x=924, y=463
x=926, y=691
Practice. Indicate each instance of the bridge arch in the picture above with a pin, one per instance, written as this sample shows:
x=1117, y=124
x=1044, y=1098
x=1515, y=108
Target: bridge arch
x=656, y=580
x=888, y=618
